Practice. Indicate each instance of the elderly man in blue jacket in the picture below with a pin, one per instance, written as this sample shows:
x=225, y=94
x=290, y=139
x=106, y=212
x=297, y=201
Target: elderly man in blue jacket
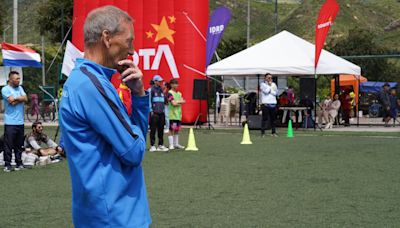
x=106, y=146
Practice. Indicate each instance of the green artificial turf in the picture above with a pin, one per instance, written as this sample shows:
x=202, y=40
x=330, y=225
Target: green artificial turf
x=316, y=179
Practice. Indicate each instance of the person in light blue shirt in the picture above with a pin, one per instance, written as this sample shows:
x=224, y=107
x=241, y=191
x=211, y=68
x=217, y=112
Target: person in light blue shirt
x=106, y=146
x=14, y=98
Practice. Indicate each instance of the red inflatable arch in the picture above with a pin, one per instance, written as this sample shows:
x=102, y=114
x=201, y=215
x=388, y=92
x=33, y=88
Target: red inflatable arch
x=166, y=41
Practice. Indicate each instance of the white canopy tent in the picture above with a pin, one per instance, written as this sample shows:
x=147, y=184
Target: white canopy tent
x=282, y=54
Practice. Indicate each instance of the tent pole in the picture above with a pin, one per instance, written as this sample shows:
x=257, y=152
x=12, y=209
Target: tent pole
x=258, y=93
x=358, y=101
x=315, y=99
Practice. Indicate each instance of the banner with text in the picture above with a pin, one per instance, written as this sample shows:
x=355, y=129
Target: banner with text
x=169, y=41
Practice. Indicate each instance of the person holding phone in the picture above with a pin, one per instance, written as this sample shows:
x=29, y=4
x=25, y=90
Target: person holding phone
x=105, y=145
x=269, y=91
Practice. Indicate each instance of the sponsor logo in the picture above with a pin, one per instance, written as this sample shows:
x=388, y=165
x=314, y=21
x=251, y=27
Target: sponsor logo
x=214, y=30
x=326, y=24
x=162, y=50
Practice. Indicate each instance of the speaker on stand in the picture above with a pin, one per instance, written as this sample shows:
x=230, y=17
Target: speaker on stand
x=200, y=92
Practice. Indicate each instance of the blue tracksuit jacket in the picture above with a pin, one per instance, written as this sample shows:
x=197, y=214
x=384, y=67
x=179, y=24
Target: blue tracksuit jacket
x=108, y=188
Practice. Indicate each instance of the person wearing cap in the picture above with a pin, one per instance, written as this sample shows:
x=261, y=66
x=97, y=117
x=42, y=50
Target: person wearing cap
x=157, y=115
x=384, y=98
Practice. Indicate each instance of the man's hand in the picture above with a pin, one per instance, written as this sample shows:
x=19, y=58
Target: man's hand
x=16, y=100
x=132, y=76
x=11, y=100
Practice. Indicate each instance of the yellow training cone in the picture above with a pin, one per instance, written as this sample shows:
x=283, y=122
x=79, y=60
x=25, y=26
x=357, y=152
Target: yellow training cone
x=246, y=136
x=290, y=130
x=191, y=142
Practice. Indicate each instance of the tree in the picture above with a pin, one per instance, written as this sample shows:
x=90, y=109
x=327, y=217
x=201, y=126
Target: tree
x=2, y=12
x=53, y=16
x=231, y=46
x=361, y=42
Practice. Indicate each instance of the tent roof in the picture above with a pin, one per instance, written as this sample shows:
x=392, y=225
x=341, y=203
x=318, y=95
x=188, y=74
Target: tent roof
x=282, y=54
x=350, y=78
x=375, y=87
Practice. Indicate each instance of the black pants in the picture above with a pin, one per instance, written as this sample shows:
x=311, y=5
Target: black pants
x=13, y=140
x=268, y=114
x=346, y=116
x=157, y=121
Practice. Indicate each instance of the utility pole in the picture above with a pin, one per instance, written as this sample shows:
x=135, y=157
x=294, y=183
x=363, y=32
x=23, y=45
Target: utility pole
x=15, y=22
x=4, y=33
x=62, y=23
x=246, y=79
x=248, y=23
x=276, y=16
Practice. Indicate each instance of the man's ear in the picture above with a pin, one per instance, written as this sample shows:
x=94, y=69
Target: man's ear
x=106, y=37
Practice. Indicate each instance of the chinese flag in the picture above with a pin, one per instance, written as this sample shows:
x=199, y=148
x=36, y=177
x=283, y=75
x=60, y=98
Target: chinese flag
x=326, y=16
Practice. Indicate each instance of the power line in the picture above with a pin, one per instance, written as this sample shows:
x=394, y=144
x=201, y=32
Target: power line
x=394, y=56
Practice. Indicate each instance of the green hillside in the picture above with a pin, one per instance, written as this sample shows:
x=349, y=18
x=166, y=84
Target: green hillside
x=297, y=18
x=300, y=19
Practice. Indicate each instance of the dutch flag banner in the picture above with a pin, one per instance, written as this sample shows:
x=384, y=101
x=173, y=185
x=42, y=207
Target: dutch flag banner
x=15, y=55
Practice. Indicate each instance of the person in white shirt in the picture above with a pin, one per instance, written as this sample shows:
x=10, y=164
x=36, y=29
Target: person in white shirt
x=269, y=91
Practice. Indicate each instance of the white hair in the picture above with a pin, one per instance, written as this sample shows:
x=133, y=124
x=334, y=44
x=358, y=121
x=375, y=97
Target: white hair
x=103, y=18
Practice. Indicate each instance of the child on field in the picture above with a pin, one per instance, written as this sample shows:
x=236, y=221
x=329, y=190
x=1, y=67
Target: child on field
x=175, y=102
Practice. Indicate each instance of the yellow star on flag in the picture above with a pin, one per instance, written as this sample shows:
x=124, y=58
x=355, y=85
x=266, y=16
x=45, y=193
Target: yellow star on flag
x=149, y=34
x=163, y=31
x=172, y=19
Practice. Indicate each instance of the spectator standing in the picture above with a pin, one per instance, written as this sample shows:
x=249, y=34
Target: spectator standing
x=290, y=95
x=269, y=91
x=105, y=146
x=167, y=88
x=14, y=98
x=345, y=101
x=384, y=98
x=157, y=115
x=394, y=106
x=175, y=115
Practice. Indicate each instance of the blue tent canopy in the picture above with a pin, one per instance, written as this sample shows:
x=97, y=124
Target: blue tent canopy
x=374, y=87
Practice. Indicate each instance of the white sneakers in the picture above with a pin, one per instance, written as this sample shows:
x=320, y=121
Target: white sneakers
x=162, y=148
x=165, y=149
x=177, y=146
x=159, y=148
x=152, y=149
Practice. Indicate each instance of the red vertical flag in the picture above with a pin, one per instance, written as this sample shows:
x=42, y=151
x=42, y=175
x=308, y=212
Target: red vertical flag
x=326, y=16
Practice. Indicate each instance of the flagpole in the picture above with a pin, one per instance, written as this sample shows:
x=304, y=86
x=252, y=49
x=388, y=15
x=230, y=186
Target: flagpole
x=43, y=64
x=59, y=48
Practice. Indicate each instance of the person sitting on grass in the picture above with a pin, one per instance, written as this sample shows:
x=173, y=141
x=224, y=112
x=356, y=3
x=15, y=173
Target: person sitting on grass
x=34, y=140
x=175, y=102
